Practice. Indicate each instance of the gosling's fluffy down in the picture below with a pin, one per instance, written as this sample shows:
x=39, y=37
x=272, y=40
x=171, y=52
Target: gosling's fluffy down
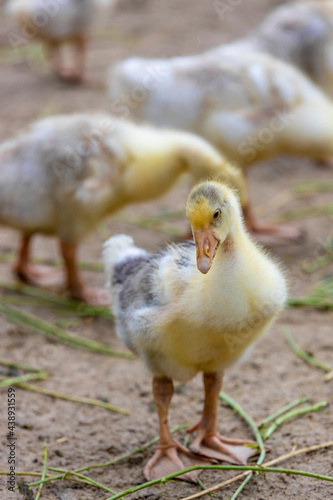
x=180, y=321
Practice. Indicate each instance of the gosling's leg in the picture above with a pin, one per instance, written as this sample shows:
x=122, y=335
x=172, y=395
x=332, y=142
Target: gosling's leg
x=31, y=273
x=53, y=53
x=209, y=442
x=77, y=289
x=72, y=75
x=170, y=456
x=75, y=74
x=80, y=43
x=325, y=163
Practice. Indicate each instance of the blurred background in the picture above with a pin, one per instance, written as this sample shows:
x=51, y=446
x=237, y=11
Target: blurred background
x=29, y=91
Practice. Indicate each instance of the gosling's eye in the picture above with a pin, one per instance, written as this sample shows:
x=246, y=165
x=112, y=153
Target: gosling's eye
x=217, y=214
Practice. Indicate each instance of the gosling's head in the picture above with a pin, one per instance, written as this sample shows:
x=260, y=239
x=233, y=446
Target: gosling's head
x=212, y=209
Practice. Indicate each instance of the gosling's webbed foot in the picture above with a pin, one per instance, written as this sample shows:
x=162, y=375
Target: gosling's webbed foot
x=93, y=296
x=215, y=446
x=70, y=76
x=39, y=275
x=170, y=459
x=325, y=163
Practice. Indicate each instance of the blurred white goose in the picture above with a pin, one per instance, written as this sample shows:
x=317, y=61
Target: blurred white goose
x=251, y=106
x=57, y=23
x=65, y=173
x=300, y=33
x=194, y=308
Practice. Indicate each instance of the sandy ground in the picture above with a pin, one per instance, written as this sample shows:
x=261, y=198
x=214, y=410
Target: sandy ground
x=270, y=377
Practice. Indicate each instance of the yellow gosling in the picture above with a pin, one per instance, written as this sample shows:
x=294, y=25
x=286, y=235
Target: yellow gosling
x=195, y=307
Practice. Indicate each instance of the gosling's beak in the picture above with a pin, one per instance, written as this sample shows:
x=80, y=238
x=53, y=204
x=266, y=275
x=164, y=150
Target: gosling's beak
x=206, y=244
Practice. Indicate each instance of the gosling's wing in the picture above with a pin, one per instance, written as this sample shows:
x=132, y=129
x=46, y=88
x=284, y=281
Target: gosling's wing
x=139, y=279
x=155, y=280
x=144, y=286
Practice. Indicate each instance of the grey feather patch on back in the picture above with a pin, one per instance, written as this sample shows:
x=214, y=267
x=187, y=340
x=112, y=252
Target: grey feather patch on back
x=135, y=277
x=128, y=268
x=136, y=280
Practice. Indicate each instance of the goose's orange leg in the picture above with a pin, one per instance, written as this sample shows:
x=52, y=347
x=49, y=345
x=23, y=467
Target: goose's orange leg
x=53, y=53
x=170, y=456
x=209, y=442
x=80, y=53
x=31, y=273
x=72, y=75
x=75, y=285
